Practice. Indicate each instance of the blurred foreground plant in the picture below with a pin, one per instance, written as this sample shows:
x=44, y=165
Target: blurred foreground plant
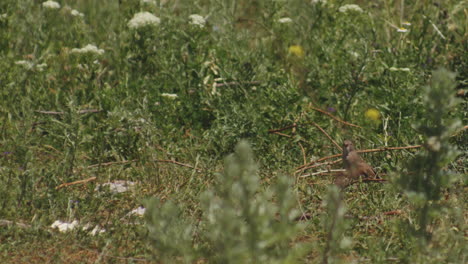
x=240, y=222
x=427, y=175
x=335, y=226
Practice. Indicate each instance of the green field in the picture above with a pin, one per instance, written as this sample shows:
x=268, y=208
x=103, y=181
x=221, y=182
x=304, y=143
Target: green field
x=221, y=118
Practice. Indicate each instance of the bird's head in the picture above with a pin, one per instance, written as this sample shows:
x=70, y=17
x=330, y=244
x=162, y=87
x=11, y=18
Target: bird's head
x=348, y=146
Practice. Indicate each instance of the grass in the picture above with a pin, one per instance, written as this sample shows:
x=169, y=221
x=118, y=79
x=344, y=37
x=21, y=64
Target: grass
x=241, y=75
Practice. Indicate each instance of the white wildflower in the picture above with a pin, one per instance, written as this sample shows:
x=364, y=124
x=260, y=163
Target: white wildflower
x=64, y=226
x=88, y=49
x=314, y=2
x=51, y=5
x=354, y=54
x=402, y=30
x=140, y=211
x=143, y=19
x=96, y=230
x=170, y=96
x=350, y=8
x=150, y=2
x=285, y=20
x=399, y=69
x=406, y=23
x=197, y=20
x=26, y=64
x=76, y=13
x=40, y=67
x=116, y=186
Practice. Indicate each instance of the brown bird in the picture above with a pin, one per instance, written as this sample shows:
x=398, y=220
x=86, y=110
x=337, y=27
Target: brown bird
x=354, y=165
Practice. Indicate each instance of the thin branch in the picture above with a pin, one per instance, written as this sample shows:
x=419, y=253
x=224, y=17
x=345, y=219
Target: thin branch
x=318, y=165
x=332, y=116
x=281, y=134
x=303, y=153
x=319, y=160
x=281, y=129
x=9, y=223
x=359, y=151
x=110, y=163
x=328, y=136
x=365, y=180
x=75, y=183
x=84, y=111
x=325, y=172
x=179, y=163
x=237, y=83
x=394, y=212
x=87, y=111
x=49, y=112
x=388, y=148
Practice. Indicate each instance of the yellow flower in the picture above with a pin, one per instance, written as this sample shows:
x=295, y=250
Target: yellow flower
x=296, y=50
x=372, y=114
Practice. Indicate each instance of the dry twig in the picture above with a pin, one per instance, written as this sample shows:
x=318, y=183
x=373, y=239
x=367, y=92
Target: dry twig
x=75, y=183
x=328, y=136
x=9, y=223
x=84, y=111
x=303, y=167
x=333, y=117
x=110, y=163
x=180, y=164
x=303, y=153
x=325, y=172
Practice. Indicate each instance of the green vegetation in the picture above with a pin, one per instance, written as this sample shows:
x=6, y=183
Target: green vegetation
x=151, y=95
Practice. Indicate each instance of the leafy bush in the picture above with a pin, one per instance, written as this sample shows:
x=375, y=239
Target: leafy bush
x=240, y=223
x=427, y=178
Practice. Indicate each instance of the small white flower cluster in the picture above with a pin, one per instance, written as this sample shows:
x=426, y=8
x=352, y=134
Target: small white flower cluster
x=169, y=95
x=150, y=2
x=67, y=226
x=51, y=5
x=197, y=20
x=29, y=65
x=350, y=8
x=76, y=13
x=140, y=211
x=64, y=226
x=284, y=20
x=143, y=19
x=399, y=69
x=89, y=49
x=116, y=186
x=314, y=2
x=402, y=29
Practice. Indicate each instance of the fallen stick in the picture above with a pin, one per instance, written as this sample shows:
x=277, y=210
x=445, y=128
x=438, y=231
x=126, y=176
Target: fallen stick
x=328, y=136
x=84, y=111
x=237, y=83
x=111, y=163
x=322, y=173
x=10, y=223
x=281, y=129
x=75, y=183
x=359, y=151
x=180, y=164
x=334, y=117
x=318, y=165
